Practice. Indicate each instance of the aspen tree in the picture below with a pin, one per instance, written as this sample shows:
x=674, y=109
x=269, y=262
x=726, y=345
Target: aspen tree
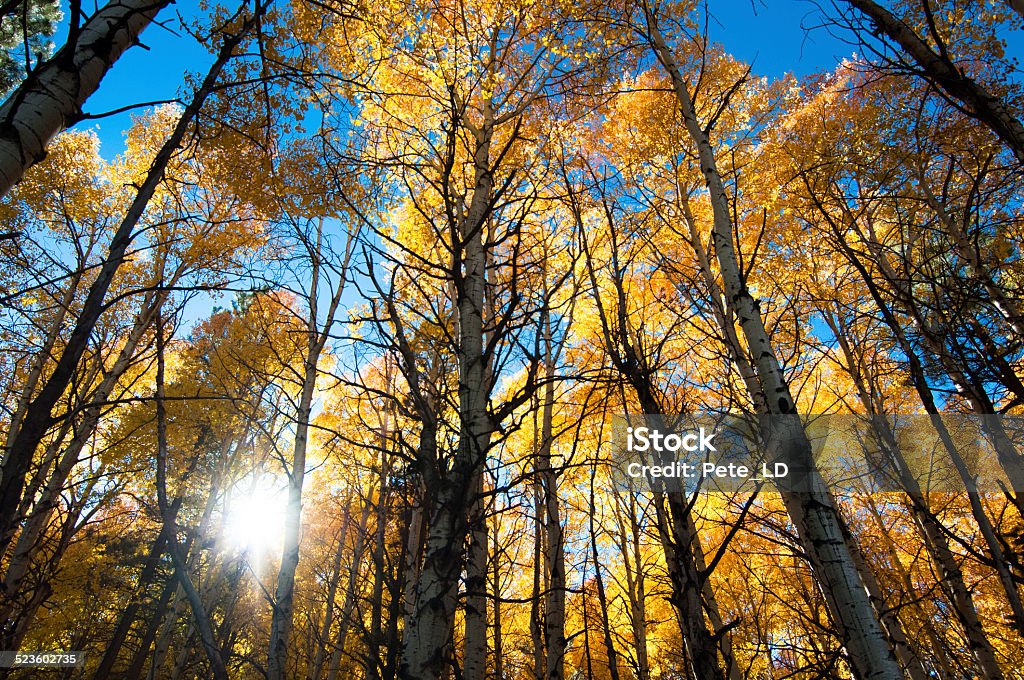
x=52, y=96
x=814, y=512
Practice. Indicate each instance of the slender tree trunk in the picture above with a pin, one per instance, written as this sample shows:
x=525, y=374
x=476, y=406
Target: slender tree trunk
x=316, y=668
x=46, y=504
x=348, y=606
x=955, y=229
x=951, y=582
x=166, y=631
x=315, y=341
x=499, y=653
x=554, y=601
x=153, y=626
x=127, y=618
x=814, y=512
x=284, y=594
x=474, y=660
x=71, y=521
x=184, y=654
x=675, y=530
x=672, y=512
x=602, y=598
x=924, y=391
x=536, y=615
x=905, y=654
x=959, y=372
x=229, y=621
x=44, y=353
x=376, y=637
x=636, y=590
x=931, y=530
x=199, y=615
x=587, y=651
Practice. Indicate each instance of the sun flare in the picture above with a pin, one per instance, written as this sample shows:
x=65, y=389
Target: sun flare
x=254, y=517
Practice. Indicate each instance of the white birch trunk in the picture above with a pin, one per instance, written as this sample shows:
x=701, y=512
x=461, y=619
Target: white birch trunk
x=813, y=512
x=51, y=98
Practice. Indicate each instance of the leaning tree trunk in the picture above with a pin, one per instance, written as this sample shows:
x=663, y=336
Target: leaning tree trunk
x=38, y=417
x=920, y=383
x=951, y=579
x=51, y=98
x=940, y=70
x=49, y=496
x=813, y=512
x=178, y=560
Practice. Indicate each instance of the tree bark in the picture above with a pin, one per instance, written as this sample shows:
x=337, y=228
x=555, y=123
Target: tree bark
x=51, y=98
x=813, y=512
x=474, y=659
x=499, y=654
x=942, y=71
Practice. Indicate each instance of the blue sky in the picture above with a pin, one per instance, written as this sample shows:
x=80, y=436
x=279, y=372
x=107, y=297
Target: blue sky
x=769, y=34
x=777, y=36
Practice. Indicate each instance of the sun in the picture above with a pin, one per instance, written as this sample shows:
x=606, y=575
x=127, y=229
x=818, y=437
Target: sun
x=254, y=515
